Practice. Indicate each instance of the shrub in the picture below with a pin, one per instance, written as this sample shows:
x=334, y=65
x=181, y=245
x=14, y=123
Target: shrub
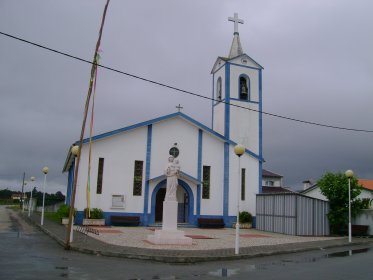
x=96, y=213
x=245, y=217
x=63, y=211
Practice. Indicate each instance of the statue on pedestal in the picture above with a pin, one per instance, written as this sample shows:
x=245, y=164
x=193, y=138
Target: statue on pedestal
x=172, y=173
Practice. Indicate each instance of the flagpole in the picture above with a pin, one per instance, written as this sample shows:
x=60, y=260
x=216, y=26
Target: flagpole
x=93, y=70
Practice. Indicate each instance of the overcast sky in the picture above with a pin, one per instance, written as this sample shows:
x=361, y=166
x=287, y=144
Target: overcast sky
x=317, y=59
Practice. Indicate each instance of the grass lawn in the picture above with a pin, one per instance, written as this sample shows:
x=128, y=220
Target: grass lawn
x=53, y=216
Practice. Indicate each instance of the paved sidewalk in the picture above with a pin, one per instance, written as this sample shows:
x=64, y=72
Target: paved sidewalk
x=208, y=244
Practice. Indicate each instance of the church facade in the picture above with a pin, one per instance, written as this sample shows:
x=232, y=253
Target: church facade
x=128, y=164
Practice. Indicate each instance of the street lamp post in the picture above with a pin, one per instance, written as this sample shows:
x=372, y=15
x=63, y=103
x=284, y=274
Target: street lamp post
x=70, y=229
x=30, y=201
x=239, y=150
x=23, y=196
x=45, y=171
x=349, y=173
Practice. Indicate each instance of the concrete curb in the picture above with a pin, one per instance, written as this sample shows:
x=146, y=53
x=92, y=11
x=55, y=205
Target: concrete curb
x=154, y=255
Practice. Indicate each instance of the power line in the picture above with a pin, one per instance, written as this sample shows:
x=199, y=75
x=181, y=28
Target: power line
x=182, y=90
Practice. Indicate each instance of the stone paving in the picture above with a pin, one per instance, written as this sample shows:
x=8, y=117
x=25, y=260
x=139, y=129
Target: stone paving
x=129, y=242
x=203, y=239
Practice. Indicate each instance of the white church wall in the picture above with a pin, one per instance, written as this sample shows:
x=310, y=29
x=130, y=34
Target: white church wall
x=219, y=120
x=165, y=134
x=119, y=162
x=213, y=155
x=245, y=129
x=252, y=184
x=252, y=170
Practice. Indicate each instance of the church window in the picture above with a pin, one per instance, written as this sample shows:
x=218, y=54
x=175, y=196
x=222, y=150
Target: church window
x=243, y=183
x=137, y=178
x=206, y=182
x=100, y=174
x=244, y=88
x=219, y=89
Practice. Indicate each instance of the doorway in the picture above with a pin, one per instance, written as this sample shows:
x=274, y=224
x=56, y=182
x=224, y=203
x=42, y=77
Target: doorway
x=183, y=205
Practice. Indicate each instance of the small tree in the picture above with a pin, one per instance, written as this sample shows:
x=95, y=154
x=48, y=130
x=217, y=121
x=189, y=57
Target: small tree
x=335, y=187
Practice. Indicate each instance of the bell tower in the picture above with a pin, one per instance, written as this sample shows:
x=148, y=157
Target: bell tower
x=237, y=96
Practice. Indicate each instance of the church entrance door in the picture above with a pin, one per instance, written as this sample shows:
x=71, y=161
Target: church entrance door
x=159, y=204
x=183, y=205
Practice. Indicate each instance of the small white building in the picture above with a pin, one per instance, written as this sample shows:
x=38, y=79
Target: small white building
x=314, y=190
x=127, y=166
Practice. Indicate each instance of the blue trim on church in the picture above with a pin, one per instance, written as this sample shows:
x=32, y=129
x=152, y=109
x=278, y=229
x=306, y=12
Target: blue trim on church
x=147, y=172
x=199, y=171
x=227, y=98
x=212, y=101
x=260, y=133
x=70, y=182
x=226, y=183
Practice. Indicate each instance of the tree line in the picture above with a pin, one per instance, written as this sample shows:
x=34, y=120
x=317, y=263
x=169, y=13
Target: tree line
x=50, y=198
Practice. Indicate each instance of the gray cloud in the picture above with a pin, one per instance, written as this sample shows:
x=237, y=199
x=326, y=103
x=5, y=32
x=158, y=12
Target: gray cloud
x=316, y=55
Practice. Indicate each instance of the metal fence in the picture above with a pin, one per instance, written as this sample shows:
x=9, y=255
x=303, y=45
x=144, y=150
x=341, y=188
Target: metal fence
x=292, y=213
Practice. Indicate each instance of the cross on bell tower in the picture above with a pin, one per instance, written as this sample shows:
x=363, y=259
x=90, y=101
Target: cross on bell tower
x=236, y=21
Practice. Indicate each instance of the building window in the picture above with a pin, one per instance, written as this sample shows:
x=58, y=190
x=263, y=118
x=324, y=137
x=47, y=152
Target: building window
x=100, y=174
x=137, y=177
x=243, y=183
x=244, y=88
x=206, y=182
x=270, y=183
x=219, y=89
x=117, y=201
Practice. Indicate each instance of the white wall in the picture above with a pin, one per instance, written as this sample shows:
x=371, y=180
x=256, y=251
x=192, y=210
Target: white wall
x=213, y=155
x=365, y=217
x=316, y=193
x=276, y=181
x=244, y=124
x=252, y=183
x=119, y=152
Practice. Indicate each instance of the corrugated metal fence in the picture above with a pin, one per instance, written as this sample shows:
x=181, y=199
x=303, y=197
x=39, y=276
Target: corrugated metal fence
x=292, y=213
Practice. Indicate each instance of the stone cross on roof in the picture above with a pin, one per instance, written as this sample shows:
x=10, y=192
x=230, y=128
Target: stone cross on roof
x=236, y=21
x=179, y=107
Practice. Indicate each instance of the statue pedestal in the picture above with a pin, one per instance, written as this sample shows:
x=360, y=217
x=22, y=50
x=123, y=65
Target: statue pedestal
x=169, y=235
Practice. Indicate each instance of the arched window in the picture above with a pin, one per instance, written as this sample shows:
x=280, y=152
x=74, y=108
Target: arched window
x=218, y=89
x=244, y=88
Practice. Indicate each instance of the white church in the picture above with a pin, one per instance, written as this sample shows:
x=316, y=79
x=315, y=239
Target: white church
x=127, y=165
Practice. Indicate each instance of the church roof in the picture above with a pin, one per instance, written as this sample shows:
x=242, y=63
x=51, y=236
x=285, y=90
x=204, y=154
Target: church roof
x=266, y=173
x=220, y=61
x=188, y=119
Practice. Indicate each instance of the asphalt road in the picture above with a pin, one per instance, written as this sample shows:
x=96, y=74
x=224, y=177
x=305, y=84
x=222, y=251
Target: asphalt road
x=26, y=253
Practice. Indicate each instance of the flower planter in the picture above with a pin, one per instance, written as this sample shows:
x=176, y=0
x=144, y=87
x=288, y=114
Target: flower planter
x=243, y=226
x=93, y=222
x=65, y=221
